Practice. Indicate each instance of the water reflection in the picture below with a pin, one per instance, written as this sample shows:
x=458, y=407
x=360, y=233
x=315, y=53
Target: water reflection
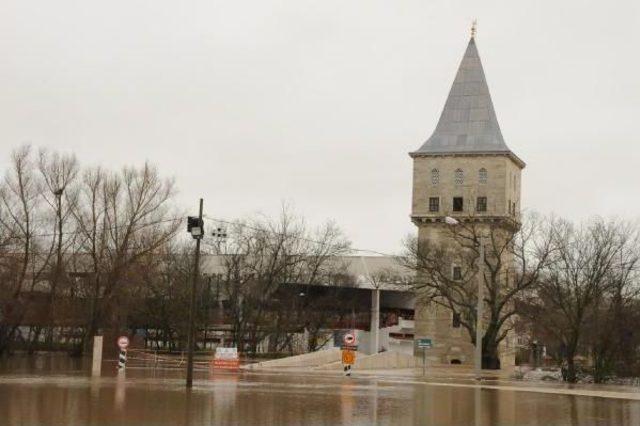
x=120, y=391
x=37, y=393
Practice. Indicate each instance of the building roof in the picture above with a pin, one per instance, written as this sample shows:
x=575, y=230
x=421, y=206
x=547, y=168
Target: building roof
x=366, y=272
x=468, y=123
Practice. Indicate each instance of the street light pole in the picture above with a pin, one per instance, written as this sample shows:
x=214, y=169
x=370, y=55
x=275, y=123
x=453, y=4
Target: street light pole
x=197, y=234
x=58, y=270
x=58, y=194
x=479, y=311
x=480, y=303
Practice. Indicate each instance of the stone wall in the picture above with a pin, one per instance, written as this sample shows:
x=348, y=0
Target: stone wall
x=499, y=188
x=502, y=189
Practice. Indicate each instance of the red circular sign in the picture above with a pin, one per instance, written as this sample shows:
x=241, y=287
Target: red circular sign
x=349, y=339
x=123, y=342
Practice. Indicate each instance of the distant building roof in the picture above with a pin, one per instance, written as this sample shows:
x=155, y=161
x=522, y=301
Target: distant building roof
x=367, y=272
x=468, y=123
x=383, y=272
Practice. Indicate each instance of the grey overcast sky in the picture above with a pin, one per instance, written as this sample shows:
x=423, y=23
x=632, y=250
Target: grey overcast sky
x=317, y=103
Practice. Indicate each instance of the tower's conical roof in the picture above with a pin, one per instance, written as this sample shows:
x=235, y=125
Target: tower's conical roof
x=468, y=122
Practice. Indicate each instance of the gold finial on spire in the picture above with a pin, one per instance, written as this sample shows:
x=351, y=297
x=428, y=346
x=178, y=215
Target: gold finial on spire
x=474, y=28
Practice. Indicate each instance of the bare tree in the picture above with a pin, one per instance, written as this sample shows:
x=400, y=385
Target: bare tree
x=90, y=215
x=28, y=247
x=265, y=255
x=71, y=236
x=613, y=320
x=58, y=173
x=514, y=259
x=160, y=295
x=586, y=285
x=122, y=217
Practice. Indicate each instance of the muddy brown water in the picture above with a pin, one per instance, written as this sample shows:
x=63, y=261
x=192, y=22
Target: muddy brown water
x=55, y=390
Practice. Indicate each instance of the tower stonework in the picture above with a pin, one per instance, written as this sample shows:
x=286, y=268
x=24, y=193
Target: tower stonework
x=465, y=171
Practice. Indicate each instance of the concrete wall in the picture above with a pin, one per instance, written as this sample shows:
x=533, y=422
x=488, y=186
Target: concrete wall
x=387, y=360
x=365, y=342
x=382, y=360
x=311, y=359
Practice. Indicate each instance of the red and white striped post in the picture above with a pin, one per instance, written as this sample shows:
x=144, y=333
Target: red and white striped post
x=123, y=344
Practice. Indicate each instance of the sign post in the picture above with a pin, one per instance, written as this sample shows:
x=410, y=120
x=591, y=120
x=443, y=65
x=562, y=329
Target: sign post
x=123, y=344
x=195, y=226
x=348, y=357
x=349, y=349
x=424, y=344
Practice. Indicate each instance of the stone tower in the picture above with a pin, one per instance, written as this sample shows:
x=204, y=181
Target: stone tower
x=465, y=171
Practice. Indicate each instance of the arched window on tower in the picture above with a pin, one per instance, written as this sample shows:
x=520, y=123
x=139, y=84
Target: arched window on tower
x=482, y=175
x=459, y=177
x=435, y=176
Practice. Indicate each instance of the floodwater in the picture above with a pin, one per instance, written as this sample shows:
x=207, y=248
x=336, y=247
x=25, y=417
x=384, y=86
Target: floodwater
x=59, y=391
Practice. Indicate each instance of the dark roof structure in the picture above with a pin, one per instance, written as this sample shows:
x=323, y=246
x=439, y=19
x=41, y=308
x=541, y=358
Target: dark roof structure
x=468, y=123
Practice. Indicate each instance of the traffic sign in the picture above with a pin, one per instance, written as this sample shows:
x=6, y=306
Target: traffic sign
x=424, y=343
x=349, y=339
x=226, y=358
x=348, y=357
x=123, y=342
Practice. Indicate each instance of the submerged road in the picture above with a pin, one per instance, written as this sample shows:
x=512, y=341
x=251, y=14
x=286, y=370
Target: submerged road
x=41, y=393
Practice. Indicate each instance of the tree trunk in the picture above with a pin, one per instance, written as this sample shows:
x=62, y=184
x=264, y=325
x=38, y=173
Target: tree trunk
x=490, y=357
x=313, y=341
x=4, y=338
x=93, y=325
x=33, y=340
x=602, y=365
x=490, y=353
x=571, y=374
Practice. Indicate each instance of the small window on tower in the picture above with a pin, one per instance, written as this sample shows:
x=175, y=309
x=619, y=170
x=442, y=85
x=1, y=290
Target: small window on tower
x=482, y=176
x=434, y=204
x=481, y=205
x=435, y=176
x=459, y=177
x=457, y=273
x=457, y=204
